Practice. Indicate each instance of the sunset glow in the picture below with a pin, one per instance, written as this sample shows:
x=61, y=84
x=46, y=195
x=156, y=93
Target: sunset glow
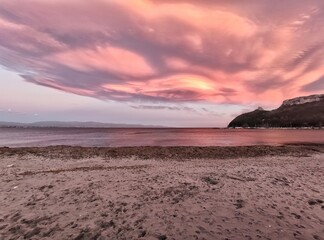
x=180, y=52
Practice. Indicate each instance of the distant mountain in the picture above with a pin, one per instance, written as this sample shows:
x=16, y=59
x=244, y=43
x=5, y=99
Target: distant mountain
x=293, y=113
x=55, y=124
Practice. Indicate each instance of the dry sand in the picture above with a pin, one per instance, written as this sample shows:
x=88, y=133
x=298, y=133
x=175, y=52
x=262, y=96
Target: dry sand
x=75, y=193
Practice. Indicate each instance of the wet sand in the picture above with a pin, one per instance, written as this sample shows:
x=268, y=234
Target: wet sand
x=162, y=193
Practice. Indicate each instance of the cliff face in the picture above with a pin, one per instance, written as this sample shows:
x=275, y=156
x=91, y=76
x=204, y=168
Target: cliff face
x=302, y=100
x=298, y=112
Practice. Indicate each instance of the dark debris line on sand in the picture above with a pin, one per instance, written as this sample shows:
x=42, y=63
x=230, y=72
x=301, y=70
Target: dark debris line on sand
x=175, y=153
x=83, y=169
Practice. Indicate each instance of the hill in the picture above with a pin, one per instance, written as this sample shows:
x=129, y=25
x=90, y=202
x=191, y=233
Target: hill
x=301, y=112
x=56, y=124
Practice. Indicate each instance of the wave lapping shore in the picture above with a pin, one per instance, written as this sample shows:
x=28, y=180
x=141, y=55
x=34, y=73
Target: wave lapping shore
x=256, y=192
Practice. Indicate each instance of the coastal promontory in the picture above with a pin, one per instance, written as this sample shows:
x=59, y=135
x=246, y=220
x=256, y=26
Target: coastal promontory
x=300, y=112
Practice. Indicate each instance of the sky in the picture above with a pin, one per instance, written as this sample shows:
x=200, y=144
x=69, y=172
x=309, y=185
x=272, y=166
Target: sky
x=180, y=63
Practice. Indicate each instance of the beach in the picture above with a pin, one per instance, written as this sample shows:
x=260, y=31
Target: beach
x=256, y=192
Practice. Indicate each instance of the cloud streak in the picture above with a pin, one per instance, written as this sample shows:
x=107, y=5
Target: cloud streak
x=167, y=51
x=160, y=107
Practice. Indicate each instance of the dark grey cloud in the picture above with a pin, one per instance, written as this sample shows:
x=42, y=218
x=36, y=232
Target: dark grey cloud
x=317, y=85
x=160, y=107
x=265, y=84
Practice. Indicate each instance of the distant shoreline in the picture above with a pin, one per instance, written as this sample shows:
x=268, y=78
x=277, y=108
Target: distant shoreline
x=216, y=128
x=23, y=127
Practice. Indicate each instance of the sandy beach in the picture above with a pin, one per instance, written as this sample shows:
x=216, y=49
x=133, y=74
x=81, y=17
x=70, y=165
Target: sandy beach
x=258, y=192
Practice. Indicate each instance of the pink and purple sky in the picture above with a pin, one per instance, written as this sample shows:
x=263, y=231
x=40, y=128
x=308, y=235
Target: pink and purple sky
x=178, y=63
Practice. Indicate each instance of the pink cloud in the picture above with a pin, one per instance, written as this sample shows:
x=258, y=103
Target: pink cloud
x=182, y=50
x=112, y=59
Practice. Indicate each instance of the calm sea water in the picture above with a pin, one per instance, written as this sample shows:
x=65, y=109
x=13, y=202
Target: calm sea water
x=18, y=137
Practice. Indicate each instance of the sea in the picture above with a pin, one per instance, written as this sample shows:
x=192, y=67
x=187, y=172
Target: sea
x=121, y=137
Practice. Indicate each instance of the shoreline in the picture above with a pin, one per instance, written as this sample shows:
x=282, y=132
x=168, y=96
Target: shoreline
x=166, y=128
x=176, y=152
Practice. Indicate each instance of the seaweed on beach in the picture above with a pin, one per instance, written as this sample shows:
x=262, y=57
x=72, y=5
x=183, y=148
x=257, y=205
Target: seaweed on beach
x=165, y=153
